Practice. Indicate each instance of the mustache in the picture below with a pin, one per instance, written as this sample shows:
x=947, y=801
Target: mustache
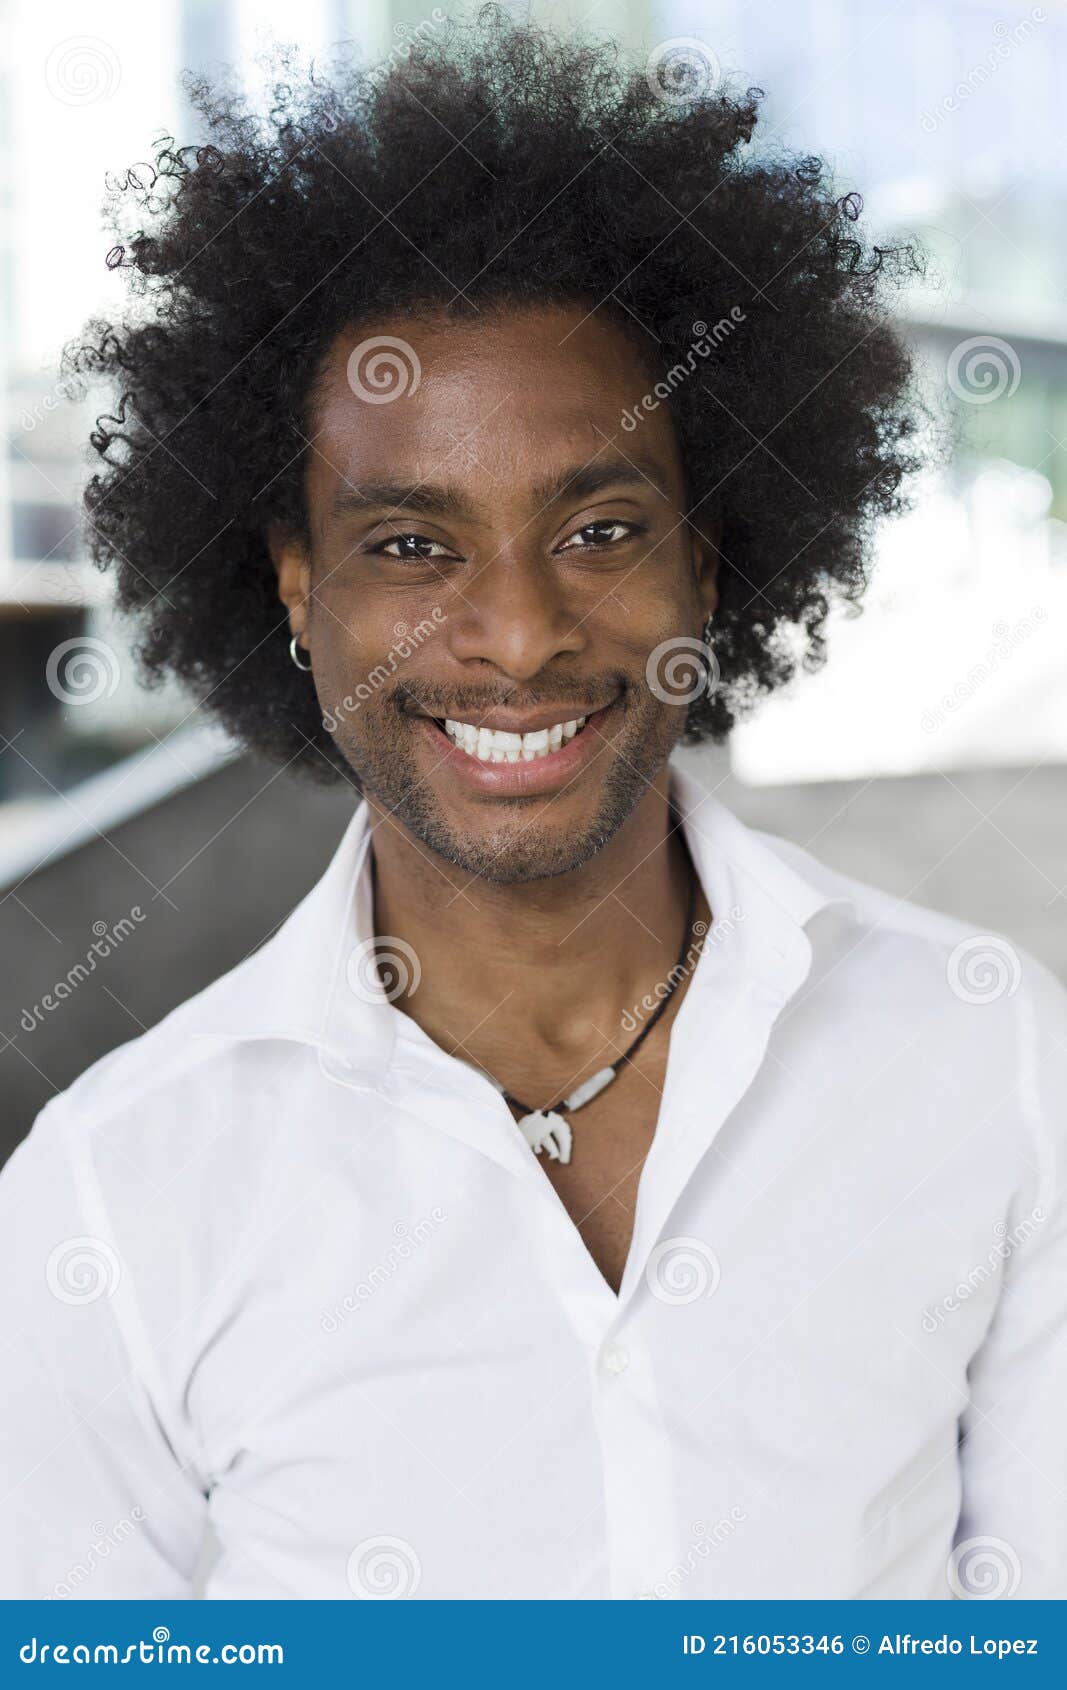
x=471, y=701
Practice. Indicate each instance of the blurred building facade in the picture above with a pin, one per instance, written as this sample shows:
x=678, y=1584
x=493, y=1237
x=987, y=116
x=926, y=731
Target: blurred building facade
x=947, y=116
x=949, y=693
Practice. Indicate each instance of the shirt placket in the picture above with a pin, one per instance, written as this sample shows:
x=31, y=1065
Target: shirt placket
x=645, y=1532
x=620, y=1335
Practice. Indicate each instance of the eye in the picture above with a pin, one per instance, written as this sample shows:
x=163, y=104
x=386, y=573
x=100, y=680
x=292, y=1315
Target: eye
x=610, y=531
x=411, y=548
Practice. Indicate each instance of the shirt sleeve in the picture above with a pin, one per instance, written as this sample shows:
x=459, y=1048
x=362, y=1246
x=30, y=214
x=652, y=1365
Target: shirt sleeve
x=95, y=1502
x=1012, y=1535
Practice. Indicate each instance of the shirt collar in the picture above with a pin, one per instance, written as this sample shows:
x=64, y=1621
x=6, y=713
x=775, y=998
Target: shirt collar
x=314, y=982
x=296, y=986
x=767, y=890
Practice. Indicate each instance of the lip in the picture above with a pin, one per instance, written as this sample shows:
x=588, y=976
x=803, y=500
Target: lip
x=519, y=780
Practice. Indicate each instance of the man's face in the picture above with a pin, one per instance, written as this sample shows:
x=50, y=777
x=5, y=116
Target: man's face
x=492, y=555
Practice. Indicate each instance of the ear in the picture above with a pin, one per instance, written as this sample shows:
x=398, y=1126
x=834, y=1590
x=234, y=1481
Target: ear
x=292, y=566
x=704, y=537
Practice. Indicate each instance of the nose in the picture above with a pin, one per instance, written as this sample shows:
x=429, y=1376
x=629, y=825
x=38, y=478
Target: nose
x=513, y=613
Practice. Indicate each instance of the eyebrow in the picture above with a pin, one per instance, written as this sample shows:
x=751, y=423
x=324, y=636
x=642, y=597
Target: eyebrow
x=579, y=482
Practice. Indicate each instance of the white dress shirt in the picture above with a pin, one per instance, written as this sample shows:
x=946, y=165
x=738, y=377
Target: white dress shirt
x=282, y=1267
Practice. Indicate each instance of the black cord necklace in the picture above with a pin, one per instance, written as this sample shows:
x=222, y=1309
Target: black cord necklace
x=549, y=1130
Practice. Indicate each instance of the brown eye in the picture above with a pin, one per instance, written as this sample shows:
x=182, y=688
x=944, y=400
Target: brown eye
x=411, y=548
x=609, y=532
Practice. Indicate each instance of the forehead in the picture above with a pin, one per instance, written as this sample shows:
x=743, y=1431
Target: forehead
x=495, y=401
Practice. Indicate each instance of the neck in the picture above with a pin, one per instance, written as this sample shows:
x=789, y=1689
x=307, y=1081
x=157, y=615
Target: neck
x=544, y=968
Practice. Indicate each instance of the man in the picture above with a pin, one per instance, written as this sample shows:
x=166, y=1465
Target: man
x=580, y=1195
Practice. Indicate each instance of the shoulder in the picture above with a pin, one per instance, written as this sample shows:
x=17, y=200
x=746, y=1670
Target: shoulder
x=191, y=1100
x=988, y=1019
x=187, y=1093
x=977, y=964
x=187, y=1052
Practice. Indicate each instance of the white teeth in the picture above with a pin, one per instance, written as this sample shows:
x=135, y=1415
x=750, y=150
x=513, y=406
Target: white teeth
x=490, y=745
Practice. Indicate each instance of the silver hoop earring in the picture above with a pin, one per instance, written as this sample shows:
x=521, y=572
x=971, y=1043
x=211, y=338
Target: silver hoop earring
x=294, y=653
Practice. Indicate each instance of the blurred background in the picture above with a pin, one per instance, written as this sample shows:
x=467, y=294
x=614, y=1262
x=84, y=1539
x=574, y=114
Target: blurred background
x=140, y=856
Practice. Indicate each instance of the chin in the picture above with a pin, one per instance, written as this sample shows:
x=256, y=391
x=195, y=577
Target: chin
x=519, y=841
x=521, y=856
x=515, y=841
x=525, y=871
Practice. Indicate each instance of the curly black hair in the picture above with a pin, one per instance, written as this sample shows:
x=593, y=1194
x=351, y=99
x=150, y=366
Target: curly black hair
x=491, y=162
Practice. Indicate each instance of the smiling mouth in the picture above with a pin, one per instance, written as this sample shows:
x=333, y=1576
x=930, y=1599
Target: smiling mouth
x=493, y=745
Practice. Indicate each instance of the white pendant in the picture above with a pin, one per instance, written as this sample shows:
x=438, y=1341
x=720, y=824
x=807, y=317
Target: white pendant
x=549, y=1132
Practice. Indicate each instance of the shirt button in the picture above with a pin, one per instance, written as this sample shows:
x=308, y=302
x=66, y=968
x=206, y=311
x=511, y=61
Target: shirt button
x=615, y=1357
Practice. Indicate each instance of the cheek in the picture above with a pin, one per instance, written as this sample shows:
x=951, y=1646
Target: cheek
x=650, y=607
x=661, y=636
x=350, y=634
x=364, y=646
x=347, y=652
x=361, y=621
